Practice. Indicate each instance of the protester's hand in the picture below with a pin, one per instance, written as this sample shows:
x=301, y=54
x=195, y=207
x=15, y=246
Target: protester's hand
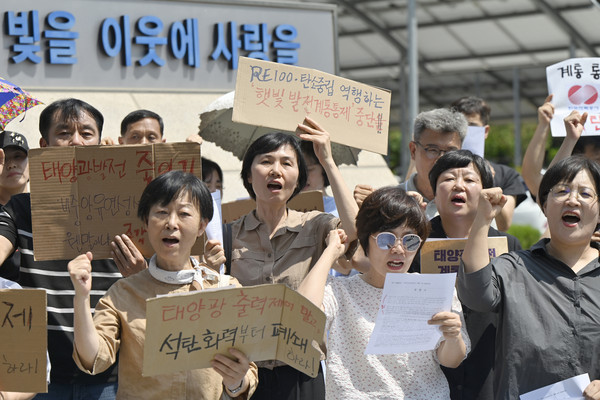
x=232, y=368
x=449, y=323
x=491, y=202
x=361, y=192
x=194, y=138
x=80, y=271
x=214, y=254
x=592, y=391
x=337, y=241
x=574, y=124
x=310, y=130
x=419, y=199
x=107, y=141
x=546, y=112
x=126, y=256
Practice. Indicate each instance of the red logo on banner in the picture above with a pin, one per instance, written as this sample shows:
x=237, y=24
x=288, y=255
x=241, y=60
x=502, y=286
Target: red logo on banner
x=583, y=94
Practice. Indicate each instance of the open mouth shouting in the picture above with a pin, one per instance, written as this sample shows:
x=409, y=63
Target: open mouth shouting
x=170, y=241
x=570, y=218
x=458, y=199
x=395, y=265
x=274, y=186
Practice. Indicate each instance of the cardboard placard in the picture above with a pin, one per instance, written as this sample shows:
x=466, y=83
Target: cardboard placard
x=440, y=256
x=24, y=341
x=279, y=96
x=82, y=197
x=266, y=322
x=303, y=202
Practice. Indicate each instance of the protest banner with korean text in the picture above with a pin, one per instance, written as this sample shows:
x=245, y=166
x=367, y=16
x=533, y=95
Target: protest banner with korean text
x=442, y=256
x=24, y=340
x=575, y=84
x=280, y=96
x=266, y=322
x=82, y=197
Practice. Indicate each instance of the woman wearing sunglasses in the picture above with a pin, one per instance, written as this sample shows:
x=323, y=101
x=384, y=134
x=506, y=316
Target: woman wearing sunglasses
x=391, y=228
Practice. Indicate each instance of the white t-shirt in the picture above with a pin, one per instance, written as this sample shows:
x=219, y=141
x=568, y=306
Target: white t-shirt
x=351, y=306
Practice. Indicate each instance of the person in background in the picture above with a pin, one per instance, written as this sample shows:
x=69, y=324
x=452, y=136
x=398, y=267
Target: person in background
x=391, y=228
x=212, y=175
x=477, y=112
x=66, y=122
x=175, y=209
x=14, y=179
x=458, y=178
x=435, y=133
x=142, y=127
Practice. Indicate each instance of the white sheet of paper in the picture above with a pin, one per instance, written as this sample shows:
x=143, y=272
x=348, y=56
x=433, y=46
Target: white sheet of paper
x=407, y=303
x=571, y=388
x=475, y=140
x=214, y=229
x=575, y=84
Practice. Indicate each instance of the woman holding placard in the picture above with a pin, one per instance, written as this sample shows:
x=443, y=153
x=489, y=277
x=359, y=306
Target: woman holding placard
x=175, y=208
x=274, y=244
x=391, y=228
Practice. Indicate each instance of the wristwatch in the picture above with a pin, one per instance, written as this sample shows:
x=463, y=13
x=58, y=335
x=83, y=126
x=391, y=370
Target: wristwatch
x=237, y=389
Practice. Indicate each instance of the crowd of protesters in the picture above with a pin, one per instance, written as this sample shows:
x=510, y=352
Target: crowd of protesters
x=520, y=321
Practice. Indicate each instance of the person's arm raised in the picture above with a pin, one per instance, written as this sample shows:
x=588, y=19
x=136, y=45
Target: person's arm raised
x=310, y=130
x=533, y=160
x=574, y=123
x=475, y=255
x=313, y=285
x=86, y=337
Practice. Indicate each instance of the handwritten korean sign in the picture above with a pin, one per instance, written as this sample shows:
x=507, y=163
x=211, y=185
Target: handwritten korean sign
x=280, y=96
x=24, y=343
x=303, y=202
x=575, y=84
x=267, y=322
x=442, y=256
x=81, y=197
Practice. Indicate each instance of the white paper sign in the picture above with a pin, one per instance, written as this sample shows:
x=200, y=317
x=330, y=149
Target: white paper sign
x=214, y=229
x=475, y=140
x=407, y=303
x=571, y=388
x=575, y=84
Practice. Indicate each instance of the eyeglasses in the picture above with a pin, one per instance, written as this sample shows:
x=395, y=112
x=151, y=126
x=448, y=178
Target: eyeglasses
x=433, y=152
x=387, y=240
x=583, y=194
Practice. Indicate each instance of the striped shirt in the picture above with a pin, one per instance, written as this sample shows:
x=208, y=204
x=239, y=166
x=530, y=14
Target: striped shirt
x=53, y=276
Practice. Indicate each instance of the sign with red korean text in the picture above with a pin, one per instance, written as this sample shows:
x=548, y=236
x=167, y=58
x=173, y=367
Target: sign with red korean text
x=24, y=343
x=82, y=197
x=266, y=322
x=575, y=84
x=304, y=202
x=280, y=96
x=441, y=256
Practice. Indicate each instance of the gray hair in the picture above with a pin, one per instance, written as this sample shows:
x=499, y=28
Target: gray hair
x=440, y=120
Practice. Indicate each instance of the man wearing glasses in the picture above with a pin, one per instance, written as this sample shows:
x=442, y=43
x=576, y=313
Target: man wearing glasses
x=435, y=133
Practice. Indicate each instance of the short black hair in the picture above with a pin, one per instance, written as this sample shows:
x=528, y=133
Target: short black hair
x=208, y=166
x=473, y=105
x=565, y=171
x=388, y=208
x=308, y=150
x=460, y=159
x=68, y=110
x=168, y=186
x=139, y=115
x=584, y=142
x=266, y=144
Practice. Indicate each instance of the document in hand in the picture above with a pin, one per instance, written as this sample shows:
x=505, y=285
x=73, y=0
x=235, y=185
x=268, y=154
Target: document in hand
x=407, y=303
x=266, y=322
x=571, y=388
